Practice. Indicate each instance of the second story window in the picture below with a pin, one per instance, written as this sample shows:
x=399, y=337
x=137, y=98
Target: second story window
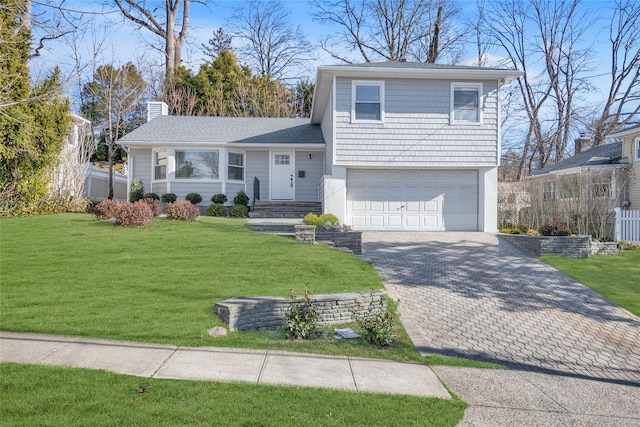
x=368, y=101
x=637, y=148
x=466, y=103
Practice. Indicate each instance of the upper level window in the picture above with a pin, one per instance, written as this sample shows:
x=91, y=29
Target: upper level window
x=235, y=169
x=637, y=148
x=197, y=164
x=159, y=165
x=465, y=102
x=368, y=101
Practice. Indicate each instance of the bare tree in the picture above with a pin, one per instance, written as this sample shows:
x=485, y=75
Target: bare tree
x=220, y=42
x=393, y=30
x=272, y=46
x=540, y=32
x=162, y=26
x=622, y=104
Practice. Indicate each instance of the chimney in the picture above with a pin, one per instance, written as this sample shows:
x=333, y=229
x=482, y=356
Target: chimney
x=582, y=144
x=155, y=109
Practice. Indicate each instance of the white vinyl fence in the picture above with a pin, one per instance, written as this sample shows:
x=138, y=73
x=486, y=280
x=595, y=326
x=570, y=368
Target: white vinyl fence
x=628, y=225
x=96, y=185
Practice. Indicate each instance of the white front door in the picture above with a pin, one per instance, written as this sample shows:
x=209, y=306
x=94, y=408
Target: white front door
x=282, y=180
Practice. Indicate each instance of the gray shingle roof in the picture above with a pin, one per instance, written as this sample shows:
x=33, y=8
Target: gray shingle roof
x=420, y=65
x=223, y=130
x=608, y=154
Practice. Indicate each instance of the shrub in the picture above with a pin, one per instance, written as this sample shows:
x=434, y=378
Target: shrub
x=154, y=204
x=238, y=211
x=301, y=317
x=169, y=197
x=194, y=198
x=138, y=214
x=510, y=230
x=241, y=199
x=532, y=232
x=556, y=228
x=219, y=198
x=377, y=327
x=137, y=190
x=320, y=221
x=217, y=209
x=182, y=210
x=151, y=196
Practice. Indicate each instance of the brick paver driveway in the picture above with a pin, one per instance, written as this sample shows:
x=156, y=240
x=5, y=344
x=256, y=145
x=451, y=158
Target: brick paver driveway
x=472, y=295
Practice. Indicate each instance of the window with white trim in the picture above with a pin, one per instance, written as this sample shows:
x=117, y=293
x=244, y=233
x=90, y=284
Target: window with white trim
x=466, y=99
x=368, y=101
x=197, y=164
x=637, y=150
x=159, y=165
x=235, y=168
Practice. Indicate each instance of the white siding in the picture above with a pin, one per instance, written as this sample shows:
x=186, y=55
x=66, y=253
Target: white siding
x=628, y=147
x=257, y=165
x=416, y=129
x=327, y=133
x=307, y=187
x=141, y=167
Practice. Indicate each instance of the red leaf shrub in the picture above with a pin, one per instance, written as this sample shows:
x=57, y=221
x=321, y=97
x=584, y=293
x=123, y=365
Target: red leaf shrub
x=182, y=210
x=138, y=214
x=156, y=206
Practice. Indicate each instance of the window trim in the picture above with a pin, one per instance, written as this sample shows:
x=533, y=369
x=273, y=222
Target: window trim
x=354, y=85
x=154, y=158
x=229, y=165
x=199, y=179
x=636, y=148
x=461, y=85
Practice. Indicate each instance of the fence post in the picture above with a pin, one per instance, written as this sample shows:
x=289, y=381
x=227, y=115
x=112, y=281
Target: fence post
x=618, y=232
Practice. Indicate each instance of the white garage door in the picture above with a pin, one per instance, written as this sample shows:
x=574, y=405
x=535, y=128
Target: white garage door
x=413, y=200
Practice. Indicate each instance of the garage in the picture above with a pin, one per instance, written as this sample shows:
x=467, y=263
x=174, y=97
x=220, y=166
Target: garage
x=412, y=200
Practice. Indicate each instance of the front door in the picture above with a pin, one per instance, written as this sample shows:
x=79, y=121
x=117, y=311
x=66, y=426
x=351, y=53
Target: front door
x=282, y=182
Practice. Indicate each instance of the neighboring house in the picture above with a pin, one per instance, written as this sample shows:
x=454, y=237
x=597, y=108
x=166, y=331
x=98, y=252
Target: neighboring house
x=389, y=146
x=631, y=152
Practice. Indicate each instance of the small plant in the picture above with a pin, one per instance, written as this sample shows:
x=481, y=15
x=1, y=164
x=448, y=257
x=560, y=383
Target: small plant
x=532, y=232
x=556, y=228
x=238, y=211
x=169, y=197
x=320, y=220
x=219, y=198
x=194, y=198
x=301, y=317
x=106, y=210
x=182, y=210
x=510, y=230
x=153, y=196
x=137, y=190
x=241, y=199
x=377, y=327
x=217, y=209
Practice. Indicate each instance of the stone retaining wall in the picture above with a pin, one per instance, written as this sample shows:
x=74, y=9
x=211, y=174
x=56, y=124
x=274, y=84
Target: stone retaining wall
x=604, y=248
x=346, y=239
x=564, y=246
x=243, y=314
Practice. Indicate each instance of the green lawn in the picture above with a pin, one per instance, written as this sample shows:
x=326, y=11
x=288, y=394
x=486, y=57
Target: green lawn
x=39, y=395
x=71, y=274
x=616, y=277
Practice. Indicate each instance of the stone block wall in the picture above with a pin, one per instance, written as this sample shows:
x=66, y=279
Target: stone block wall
x=347, y=239
x=604, y=248
x=564, y=246
x=242, y=314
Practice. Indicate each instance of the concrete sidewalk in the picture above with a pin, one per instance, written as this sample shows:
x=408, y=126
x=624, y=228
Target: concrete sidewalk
x=223, y=364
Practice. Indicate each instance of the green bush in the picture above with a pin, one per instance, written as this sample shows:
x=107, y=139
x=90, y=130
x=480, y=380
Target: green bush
x=137, y=190
x=320, y=221
x=182, y=210
x=217, y=209
x=169, y=197
x=301, y=317
x=241, y=199
x=153, y=196
x=219, y=198
x=194, y=198
x=238, y=211
x=377, y=327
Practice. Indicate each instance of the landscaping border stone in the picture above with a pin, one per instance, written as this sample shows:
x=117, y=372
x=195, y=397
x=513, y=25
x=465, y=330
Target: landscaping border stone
x=242, y=314
x=563, y=246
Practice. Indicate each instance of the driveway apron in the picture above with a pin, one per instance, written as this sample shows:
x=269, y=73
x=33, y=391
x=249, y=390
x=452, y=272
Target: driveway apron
x=475, y=296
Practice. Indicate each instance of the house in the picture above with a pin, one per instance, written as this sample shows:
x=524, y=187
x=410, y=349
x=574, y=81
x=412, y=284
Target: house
x=631, y=153
x=389, y=146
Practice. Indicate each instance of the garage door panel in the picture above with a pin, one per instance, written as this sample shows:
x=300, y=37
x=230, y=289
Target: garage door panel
x=413, y=200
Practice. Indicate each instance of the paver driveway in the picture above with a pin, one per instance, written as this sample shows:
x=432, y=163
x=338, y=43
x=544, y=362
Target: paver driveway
x=472, y=295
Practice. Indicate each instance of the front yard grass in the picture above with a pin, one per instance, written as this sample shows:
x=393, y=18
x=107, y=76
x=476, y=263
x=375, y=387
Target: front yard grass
x=71, y=274
x=40, y=395
x=616, y=277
